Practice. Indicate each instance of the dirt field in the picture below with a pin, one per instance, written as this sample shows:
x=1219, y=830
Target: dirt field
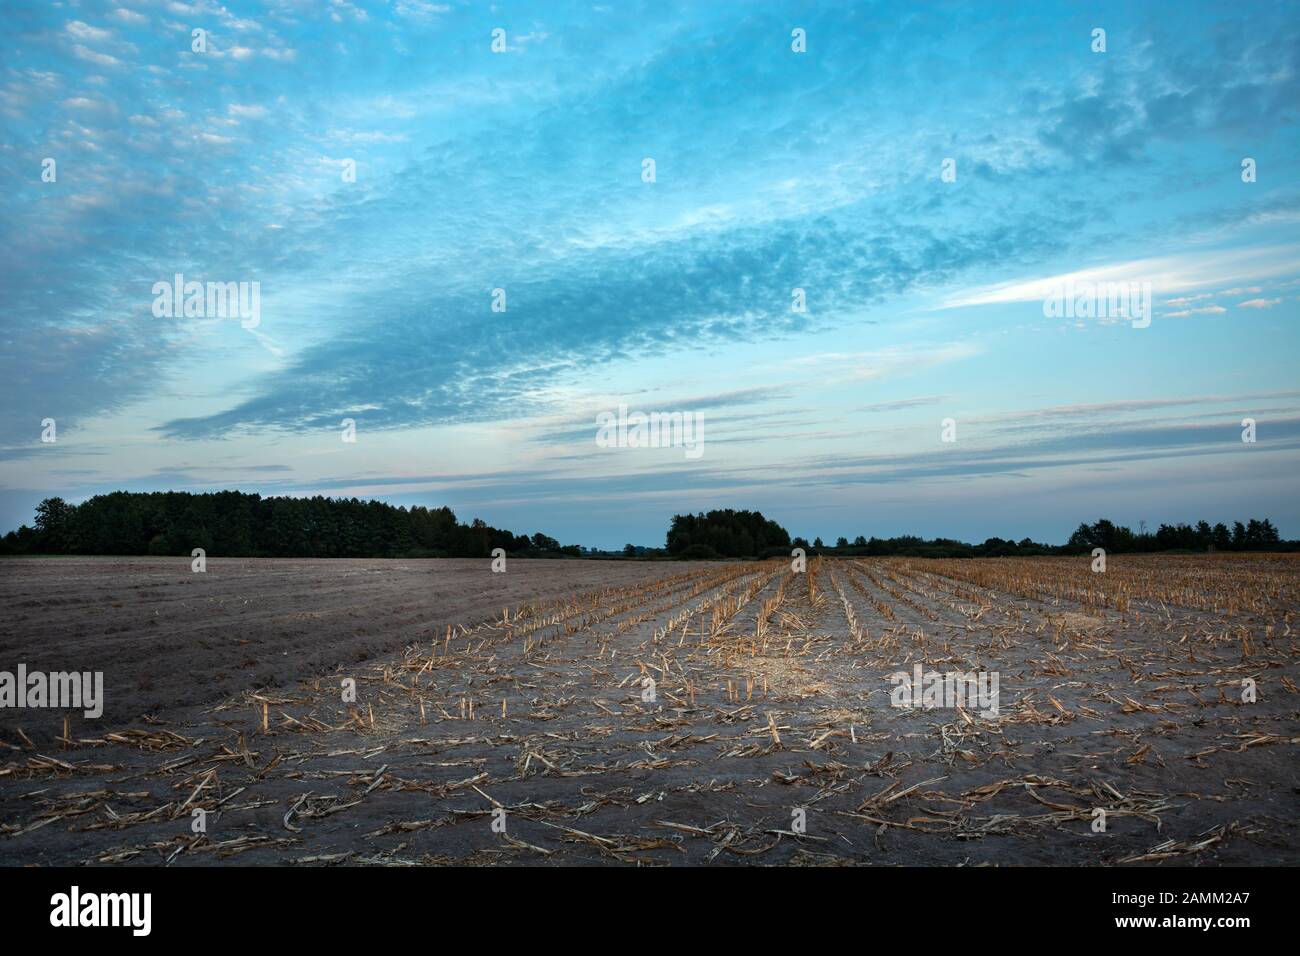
x=525, y=692
x=167, y=638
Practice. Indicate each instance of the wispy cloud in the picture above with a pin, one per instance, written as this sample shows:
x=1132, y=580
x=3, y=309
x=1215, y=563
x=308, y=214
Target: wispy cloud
x=1167, y=274
x=780, y=178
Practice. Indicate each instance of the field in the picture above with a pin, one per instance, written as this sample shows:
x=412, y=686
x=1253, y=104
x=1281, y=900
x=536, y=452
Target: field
x=766, y=737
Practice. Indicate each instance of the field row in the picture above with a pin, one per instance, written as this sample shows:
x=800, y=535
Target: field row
x=726, y=713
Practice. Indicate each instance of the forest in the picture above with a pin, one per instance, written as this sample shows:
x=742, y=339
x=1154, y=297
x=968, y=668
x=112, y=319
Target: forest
x=236, y=524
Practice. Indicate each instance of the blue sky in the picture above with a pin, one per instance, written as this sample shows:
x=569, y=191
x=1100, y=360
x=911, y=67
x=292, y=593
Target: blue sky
x=774, y=170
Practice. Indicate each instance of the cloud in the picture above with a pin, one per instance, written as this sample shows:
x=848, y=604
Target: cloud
x=420, y=10
x=1258, y=303
x=84, y=31
x=1167, y=274
x=130, y=16
x=1111, y=409
x=1132, y=443
x=903, y=403
x=582, y=428
x=446, y=356
x=884, y=363
x=102, y=59
x=775, y=172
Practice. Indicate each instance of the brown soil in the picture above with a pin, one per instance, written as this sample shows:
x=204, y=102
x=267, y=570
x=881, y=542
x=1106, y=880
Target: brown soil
x=224, y=694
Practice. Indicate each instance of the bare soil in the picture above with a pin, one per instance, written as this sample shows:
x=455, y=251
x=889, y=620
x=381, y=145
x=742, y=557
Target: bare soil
x=521, y=699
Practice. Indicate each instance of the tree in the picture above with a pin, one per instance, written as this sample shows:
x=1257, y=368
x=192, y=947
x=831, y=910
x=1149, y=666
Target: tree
x=735, y=534
x=544, y=542
x=1102, y=534
x=1221, y=537
x=53, y=521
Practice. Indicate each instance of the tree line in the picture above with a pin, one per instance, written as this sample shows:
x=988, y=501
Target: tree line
x=1254, y=535
x=236, y=524
x=748, y=534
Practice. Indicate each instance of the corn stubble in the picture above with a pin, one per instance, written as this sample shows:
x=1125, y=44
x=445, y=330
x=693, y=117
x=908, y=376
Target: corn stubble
x=1120, y=691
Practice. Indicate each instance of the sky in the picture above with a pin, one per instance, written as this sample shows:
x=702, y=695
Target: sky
x=842, y=261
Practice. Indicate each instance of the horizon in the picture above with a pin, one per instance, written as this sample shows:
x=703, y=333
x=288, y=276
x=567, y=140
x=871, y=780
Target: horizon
x=836, y=252
x=828, y=541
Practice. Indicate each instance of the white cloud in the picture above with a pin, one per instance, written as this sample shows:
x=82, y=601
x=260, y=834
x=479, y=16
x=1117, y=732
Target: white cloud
x=84, y=31
x=1166, y=274
x=1258, y=303
x=130, y=16
x=419, y=9
x=103, y=59
x=883, y=363
x=355, y=12
x=365, y=136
